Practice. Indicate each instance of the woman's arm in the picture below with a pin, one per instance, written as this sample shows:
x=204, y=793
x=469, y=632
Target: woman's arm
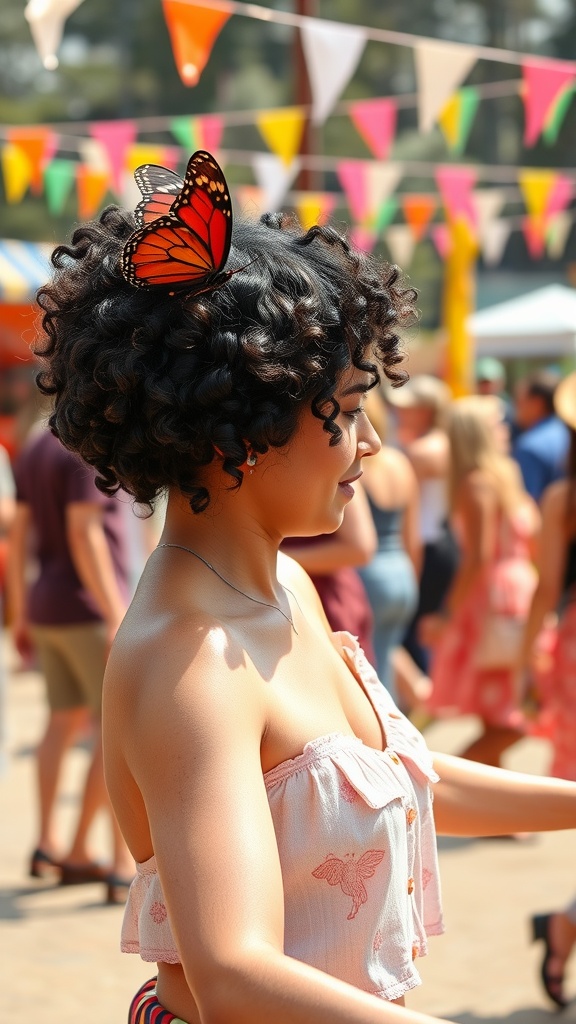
x=550, y=562
x=411, y=522
x=353, y=544
x=194, y=750
x=474, y=799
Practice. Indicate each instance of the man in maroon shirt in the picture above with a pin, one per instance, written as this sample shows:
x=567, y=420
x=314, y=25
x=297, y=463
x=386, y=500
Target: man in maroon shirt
x=69, y=614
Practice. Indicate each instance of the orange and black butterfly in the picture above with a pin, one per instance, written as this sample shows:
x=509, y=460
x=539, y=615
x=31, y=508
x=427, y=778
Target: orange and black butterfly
x=186, y=227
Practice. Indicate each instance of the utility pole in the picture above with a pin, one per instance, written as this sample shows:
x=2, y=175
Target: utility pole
x=307, y=179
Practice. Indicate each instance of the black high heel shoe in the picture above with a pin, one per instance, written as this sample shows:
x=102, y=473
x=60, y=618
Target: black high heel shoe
x=42, y=865
x=552, y=982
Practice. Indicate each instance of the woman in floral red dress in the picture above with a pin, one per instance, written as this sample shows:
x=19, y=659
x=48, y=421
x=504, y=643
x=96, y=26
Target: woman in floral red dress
x=476, y=637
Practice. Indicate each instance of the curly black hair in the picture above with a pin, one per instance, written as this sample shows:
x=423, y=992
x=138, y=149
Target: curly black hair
x=147, y=386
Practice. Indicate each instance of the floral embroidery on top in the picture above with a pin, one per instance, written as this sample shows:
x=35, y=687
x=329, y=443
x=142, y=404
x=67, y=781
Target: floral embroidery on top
x=158, y=912
x=426, y=877
x=349, y=875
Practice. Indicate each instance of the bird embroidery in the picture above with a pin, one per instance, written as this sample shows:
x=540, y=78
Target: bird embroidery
x=349, y=874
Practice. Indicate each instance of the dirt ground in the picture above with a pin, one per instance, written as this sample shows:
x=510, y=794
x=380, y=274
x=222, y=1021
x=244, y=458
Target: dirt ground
x=61, y=962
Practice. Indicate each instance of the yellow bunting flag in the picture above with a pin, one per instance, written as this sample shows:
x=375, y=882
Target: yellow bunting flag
x=17, y=171
x=458, y=304
x=140, y=153
x=536, y=187
x=314, y=207
x=282, y=131
x=92, y=185
x=37, y=144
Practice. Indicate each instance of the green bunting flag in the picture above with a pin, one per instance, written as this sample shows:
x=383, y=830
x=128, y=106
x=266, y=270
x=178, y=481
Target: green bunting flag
x=59, y=177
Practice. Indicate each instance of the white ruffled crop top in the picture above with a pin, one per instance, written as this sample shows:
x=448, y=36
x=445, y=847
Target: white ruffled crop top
x=357, y=848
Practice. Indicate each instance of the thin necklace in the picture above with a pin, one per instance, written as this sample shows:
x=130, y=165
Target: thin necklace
x=237, y=589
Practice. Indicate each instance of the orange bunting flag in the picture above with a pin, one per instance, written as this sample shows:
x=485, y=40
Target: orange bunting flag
x=418, y=212
x=92, y=184
x=38, y=146
x=193, y=31
x=282, y=131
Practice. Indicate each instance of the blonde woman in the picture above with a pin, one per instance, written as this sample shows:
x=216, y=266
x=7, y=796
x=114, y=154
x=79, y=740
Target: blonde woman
x=477, y=638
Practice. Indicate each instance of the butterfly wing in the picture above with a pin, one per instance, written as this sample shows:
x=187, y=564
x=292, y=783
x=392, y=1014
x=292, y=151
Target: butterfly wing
x=332, y=869
x=205, y=208
x=190, y=242
x=159, y=187
x=368, y=863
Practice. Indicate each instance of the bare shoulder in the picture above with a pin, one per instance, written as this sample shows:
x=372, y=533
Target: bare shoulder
x=554, y=500
x=429, y=454
x=477, y=487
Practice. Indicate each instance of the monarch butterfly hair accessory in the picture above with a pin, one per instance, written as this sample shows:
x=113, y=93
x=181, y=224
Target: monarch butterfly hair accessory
x=184, y=228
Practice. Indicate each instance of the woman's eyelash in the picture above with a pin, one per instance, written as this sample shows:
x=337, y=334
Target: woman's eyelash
x=353, y=413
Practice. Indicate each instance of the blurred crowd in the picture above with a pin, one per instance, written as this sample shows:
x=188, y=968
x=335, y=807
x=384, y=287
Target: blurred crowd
x=455, y=566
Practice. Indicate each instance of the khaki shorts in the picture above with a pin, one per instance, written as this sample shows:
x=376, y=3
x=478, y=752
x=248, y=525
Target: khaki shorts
x=72, y=659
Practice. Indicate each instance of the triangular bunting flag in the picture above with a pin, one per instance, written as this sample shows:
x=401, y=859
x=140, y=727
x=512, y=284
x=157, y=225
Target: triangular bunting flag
x=418, y=211
x=282, y=131
x=534, y=237
x=440, y=68
x=457, y=116
x=367, y=184
x=249, y=199
x=363, y=239
x=488, y=203
x=375, y=120
x=38, y=145
x=46, y=19
x=442, y=240
x=59, y=177
x=93, y=154
x=198, y=132
x=560, y=195
x=557, y=113
x=401, y=242
x=543, y=81
x=313, y=207
x=273, y=178
x=385, y=214
x=557, y=234
x=455, y=185
x=92, y=186
x=332, y=52
x=537, y=187
x=115, y=137
x=148, y=153
x=193, y=31
x=494, y=237
x=17, y=172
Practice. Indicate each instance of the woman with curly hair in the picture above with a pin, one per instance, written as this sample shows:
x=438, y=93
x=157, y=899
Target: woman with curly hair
x=276, y=802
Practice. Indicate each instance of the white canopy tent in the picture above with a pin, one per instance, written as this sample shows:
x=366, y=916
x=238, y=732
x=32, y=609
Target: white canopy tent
x=539, y=324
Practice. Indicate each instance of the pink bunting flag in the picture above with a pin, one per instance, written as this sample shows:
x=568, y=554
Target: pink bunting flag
x=543, y=81
x=534, y=237
x=352, y=177
x=560, y=195
x=362, y=238
x=115, y=137
x=442, y=240
x=375, y=120
x=455, y=185
x=211, y=127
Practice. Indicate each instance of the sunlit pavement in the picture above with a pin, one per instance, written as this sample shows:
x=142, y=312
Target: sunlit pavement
x=61, y=962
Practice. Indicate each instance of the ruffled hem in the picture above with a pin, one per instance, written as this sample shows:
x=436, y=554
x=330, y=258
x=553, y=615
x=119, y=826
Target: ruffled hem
x=152, y=956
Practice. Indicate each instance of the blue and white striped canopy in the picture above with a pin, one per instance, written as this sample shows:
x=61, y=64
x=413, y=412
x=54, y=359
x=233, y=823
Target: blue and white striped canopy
x=24, y=267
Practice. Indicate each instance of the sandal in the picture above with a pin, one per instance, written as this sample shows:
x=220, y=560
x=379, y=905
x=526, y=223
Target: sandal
x=552, y=982
x=42, y=865
x=117, y=890
x=83, y=874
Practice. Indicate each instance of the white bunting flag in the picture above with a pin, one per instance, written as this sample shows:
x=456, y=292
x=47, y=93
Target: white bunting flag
x=401, y=242
x=440, y=69
x=46, y=19
x=493, y=241
x=274, y=178
x=488, y=203
x=332, y=52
